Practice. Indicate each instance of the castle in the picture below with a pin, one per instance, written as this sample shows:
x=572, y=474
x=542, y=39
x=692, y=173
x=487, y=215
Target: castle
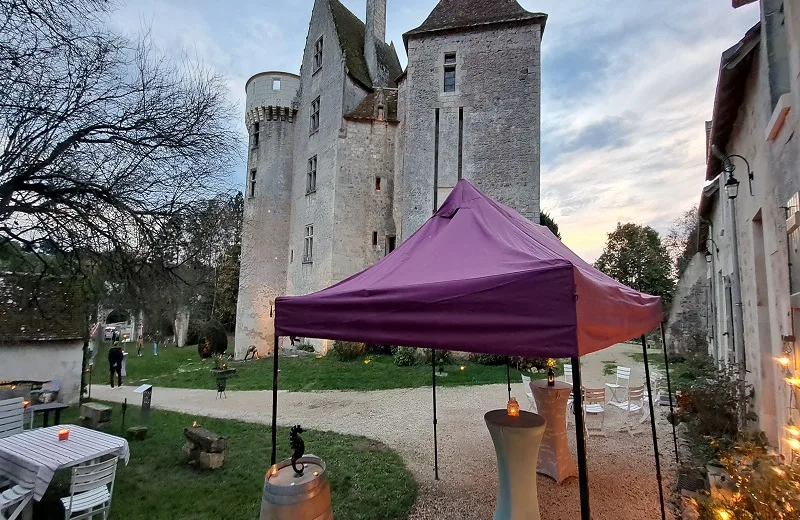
x=353, y=155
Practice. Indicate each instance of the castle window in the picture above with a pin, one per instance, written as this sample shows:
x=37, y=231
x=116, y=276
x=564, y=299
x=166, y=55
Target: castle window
x=291, y=256
x=315, y=115
x=450, y=72
x=255, y=135
x=377, y=184
x=318, y=54
x=374, y=238
x=252, y=184
x=276, y=83
x=308, y=245
x=311, y=176
x=391, y=243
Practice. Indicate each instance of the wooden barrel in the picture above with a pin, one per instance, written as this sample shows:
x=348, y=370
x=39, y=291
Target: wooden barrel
x=287, y=497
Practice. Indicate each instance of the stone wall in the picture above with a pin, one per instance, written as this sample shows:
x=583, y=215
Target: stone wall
x=50, y=361
x=687, y=325
x=497, y=95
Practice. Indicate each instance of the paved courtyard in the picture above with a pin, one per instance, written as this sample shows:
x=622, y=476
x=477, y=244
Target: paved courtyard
x=621, y=468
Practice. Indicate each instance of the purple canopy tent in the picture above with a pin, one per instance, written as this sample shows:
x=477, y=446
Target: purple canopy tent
x=478, y=277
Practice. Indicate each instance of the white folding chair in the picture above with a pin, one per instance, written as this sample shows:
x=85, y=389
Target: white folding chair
x=12, y=416
x=568, y=373
x=633, y=406
x=594, y=400
x=656, y=384
x=526, y=382
x=623, y=381
x=91, y=490
x=13, y=501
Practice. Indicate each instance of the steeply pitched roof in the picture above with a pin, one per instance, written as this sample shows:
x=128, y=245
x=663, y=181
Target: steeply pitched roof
x=457, y=14
x=734, y=68
x=368, y=108
x=351, y=32
x=39, y=309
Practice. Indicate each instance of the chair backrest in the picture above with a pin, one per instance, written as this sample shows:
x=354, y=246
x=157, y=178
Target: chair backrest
x=526, y=382
x=93, y=475
x=11, y=416
x=635, y=396
x=567, y=372
x=594, y=395
x=624, y=373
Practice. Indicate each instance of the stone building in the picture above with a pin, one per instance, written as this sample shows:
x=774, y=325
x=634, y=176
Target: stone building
x=354, y=154
x=752, y=238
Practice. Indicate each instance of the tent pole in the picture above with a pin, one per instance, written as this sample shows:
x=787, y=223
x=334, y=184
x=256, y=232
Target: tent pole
x=653, y=426
x=669, y=391
x=274, y=401
x=580, y=437
x=508, y=375
x=435, y=439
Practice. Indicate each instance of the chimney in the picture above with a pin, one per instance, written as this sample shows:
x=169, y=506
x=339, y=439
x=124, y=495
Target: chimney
x=375, y=34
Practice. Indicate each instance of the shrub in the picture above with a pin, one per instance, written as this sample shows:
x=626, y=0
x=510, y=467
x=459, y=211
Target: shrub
x=212, y=339
x=306, y=347
x=404, y=356
x=349, y=350
x=193, y=332
x=527, y=364
x=379, y=350
x=443, y=357
x=488, y=359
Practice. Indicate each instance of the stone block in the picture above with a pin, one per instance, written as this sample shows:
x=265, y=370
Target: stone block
x=190, y=452
x=208, y=441
x=210, y=460
x=96, y=413
x=137, y=433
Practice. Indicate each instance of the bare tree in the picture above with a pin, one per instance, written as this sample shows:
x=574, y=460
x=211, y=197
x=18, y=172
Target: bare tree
x=103, y=140
x=681, y=239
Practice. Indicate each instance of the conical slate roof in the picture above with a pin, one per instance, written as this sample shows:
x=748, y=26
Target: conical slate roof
x=456, y=14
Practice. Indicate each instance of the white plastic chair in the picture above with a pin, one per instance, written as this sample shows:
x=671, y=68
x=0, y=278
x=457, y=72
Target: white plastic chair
x=12, y=416
x=633, y=406
x=568, y=373
x=657, y=382
x=594, y=400
x=623, y=381
x=91, y=490
x=526, y=382
x=13, y=501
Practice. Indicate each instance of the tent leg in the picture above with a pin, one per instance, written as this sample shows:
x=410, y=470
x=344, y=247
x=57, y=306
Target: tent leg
x=435, y=437
x=669, y=391
x=653, y=426
x=580, y=437
x=508, y=375
x=274, y=402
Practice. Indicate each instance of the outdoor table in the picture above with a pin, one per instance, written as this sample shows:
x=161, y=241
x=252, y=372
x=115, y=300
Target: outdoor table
x=516, y=443
x=556, y=459
x=32, y=457
x=45, y=410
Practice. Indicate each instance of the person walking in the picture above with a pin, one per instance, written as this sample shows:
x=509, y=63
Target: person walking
x=155, y=343
x=115, y=363
x=139, y=345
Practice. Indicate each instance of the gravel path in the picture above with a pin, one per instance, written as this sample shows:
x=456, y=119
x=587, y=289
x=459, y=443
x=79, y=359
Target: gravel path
x=621, y=468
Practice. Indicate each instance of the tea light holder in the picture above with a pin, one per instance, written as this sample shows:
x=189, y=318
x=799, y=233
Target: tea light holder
x=513, y=407
x=63, y=434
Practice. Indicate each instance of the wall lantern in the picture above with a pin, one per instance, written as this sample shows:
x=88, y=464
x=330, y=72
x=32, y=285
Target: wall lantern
x=732, y=186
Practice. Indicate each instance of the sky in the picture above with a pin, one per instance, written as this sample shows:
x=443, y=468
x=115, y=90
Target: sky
x=626, y=88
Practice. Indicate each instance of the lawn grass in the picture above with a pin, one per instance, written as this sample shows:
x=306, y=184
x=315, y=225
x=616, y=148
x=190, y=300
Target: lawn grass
x=183, y=368
x=368, y=480
x=653, y=359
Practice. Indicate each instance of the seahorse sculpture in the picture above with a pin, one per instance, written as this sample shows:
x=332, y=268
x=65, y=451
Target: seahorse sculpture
x=298, y=447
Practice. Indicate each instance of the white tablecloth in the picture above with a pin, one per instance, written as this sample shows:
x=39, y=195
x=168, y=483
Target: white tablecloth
x=32, y=457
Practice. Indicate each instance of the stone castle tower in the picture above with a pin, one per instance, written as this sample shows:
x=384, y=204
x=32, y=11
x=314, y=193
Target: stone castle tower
x=354, y=154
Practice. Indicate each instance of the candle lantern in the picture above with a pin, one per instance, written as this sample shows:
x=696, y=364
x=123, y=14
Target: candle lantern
x=551, y=377
x=63, y=434
x=513, y=407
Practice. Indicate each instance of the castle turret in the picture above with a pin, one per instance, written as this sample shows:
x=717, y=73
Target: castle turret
x=269, y=117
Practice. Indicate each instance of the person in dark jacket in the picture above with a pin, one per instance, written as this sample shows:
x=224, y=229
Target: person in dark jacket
x=115, y=363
